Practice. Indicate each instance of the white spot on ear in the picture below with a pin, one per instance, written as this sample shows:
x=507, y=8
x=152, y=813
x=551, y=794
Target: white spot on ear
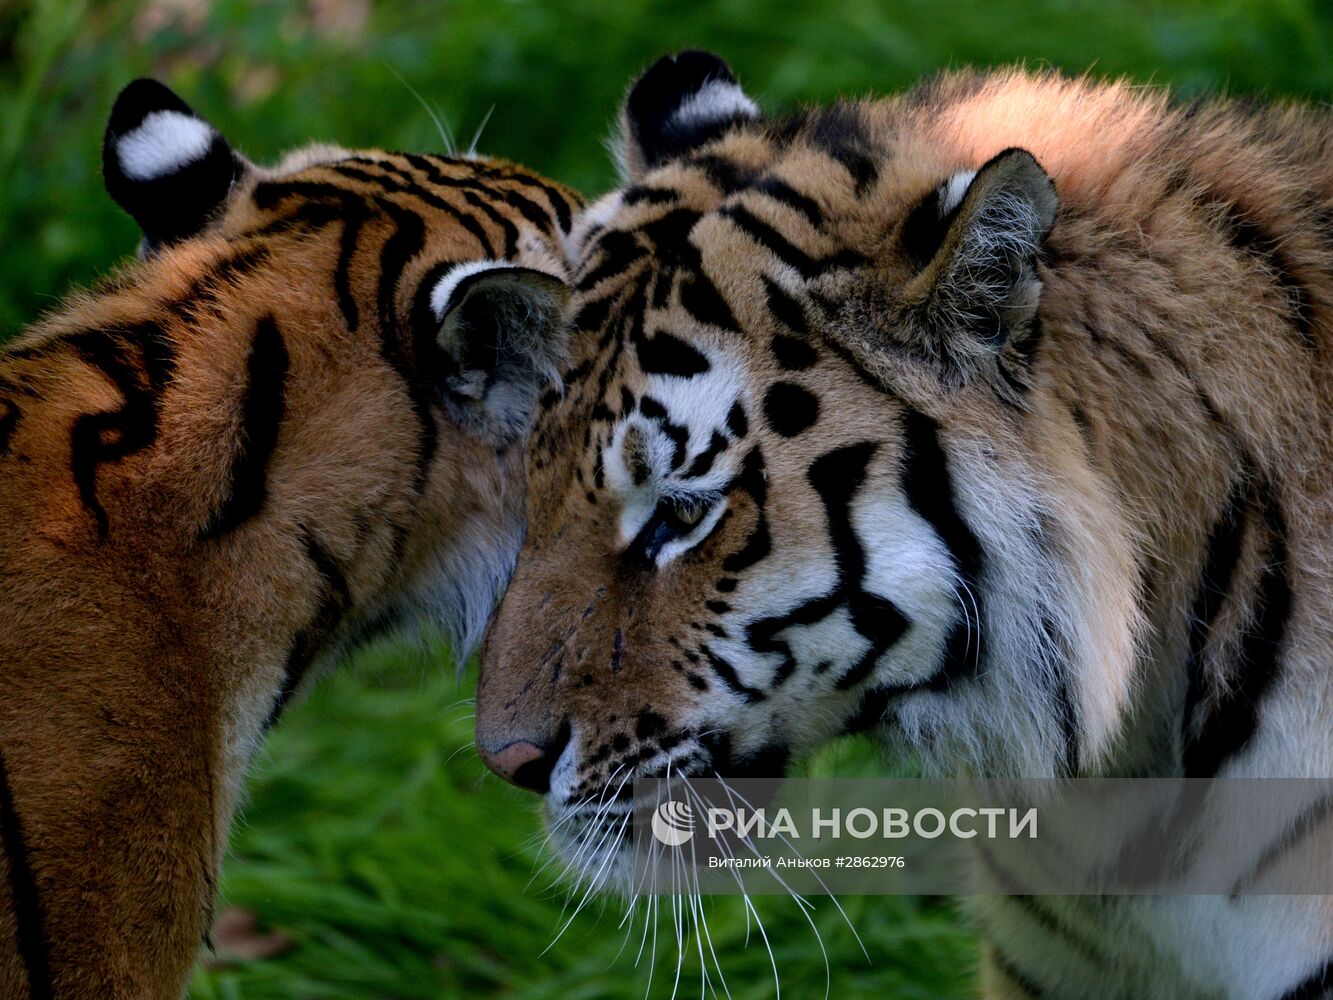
x=716, y=100
x=164, y=142
x=448, y=284
x=955, y=189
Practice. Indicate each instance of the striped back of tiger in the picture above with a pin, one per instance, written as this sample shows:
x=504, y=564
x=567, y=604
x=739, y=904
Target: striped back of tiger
x=296, y=422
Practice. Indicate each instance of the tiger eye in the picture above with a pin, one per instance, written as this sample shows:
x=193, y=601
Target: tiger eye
x=690, y=515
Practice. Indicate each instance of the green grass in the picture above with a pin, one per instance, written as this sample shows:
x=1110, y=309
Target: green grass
x=372, y=835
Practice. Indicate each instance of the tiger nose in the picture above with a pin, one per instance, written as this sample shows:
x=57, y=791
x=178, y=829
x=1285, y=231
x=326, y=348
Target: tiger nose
x=521, y=763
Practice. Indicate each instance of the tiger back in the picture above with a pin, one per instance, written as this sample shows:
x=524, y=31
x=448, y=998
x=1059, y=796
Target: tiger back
x=296, y=422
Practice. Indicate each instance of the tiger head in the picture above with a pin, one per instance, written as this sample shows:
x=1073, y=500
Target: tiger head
x=799, y=483
x=423, y=293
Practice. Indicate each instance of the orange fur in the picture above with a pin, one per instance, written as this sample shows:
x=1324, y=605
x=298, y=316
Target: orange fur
x=143, y=657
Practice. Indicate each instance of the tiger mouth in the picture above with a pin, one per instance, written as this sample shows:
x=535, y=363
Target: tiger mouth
x=596, y=846
x=594, y=834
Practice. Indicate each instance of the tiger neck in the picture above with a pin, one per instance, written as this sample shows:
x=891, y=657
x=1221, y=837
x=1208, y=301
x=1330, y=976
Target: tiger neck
x=1173, y=412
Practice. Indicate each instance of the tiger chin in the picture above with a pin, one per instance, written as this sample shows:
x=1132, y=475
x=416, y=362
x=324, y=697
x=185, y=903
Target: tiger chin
x=992, y=418
x=297, y=420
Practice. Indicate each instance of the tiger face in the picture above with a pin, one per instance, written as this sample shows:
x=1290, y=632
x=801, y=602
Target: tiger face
x=747, y=531
x=864, y=427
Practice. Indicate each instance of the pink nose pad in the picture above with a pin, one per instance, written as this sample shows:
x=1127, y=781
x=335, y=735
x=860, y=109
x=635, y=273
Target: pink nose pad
x=521, y=763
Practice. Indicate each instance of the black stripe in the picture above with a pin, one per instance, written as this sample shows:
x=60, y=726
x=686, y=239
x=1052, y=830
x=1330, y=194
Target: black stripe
x=789, y=196
x=702, y=300
x=928, y=483
x=618, y=250
x=1318, y=987
x=787, y=309
x=790, y=409
x=261, y=419
x=786, y=251
x=29, y=919
x=462, y=218
x=670, y=234
x=638, y=194
x=388, y=166
x=837, y=476
x=1246, y=235
x=737, y=423
x=509, y=230
x=270, y=193
x=592, y=315
x=557, y=200
x=666, y=354
x=840, y=132
x=334, y=602
x=751, y=479
x=112, y=435
x=703, y=462
x=384, y=180
x=1033, y=908
x=1063, y=695
x=1305, y=824
x=727, y=673
x=1221, y=554
x=529, y=209
x=757, y=546
x=722, y=173
x=209, y=863
x=559, y=203
x=354, y=217
x=1235, y=715
x=9, y=421
x=206, y=289
x=310, y=215
x=397, y=253
x=1017, y=978
x=436, y=178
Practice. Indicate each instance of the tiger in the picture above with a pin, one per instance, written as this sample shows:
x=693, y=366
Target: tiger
x=295, y=423
x=991, y=419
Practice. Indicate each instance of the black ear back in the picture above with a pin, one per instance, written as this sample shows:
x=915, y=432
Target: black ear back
x=976, y=239
x=678, y=104
x=496, y=333
x=165, y=165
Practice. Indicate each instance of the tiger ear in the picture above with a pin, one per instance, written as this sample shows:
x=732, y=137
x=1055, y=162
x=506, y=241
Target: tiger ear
x=975, y=240
x=165, y=165
x=499, y=338
x=678, y=104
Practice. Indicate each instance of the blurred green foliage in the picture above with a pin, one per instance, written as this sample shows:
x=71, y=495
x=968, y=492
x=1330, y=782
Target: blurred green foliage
x=276, y=74
x=371, y=835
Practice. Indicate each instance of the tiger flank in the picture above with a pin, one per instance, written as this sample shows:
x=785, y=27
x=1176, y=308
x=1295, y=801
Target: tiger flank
x=296, y=422
x=994, y=418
